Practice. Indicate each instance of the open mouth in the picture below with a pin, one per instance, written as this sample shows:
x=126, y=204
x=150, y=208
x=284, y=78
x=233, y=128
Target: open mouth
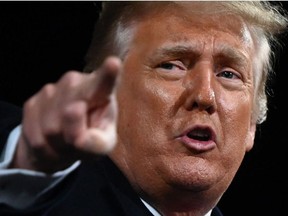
x=201, y=134
x=200, y=139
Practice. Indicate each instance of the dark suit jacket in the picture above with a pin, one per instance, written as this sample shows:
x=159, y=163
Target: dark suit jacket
x=95, y=188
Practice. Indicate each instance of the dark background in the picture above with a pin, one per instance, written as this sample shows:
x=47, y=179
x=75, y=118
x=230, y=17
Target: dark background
x=39, y=41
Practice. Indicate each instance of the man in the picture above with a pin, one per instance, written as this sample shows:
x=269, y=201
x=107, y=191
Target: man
x=175, y=112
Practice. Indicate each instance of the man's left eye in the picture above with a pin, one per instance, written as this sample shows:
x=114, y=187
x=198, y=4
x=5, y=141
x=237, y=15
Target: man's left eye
x=228, y=75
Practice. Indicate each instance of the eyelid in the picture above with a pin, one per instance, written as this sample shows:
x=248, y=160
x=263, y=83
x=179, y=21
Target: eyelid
x=177, y=63
x=236, y=74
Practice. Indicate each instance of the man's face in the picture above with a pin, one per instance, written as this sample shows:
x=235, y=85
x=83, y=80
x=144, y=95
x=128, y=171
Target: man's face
x=185, y=105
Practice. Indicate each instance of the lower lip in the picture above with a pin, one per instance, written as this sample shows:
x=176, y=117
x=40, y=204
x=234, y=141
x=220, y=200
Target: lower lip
x=197, y=145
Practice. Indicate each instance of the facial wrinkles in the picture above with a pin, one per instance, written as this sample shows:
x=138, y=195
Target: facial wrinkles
x=236, y=116
x=242, y=57
x=207, y=47
x=202, y=82
x=178, y=47
x=217, y=35
x=236, y=107
x=237, y=52
x=236, y=57
x=197, y=46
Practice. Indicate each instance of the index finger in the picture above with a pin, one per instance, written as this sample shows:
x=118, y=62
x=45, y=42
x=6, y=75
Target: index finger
x=102, y=82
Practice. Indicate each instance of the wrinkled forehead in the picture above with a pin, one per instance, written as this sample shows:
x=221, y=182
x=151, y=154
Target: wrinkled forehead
x=206, y=16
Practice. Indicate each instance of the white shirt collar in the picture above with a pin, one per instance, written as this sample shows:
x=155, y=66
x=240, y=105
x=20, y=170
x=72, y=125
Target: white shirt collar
x=156, y=213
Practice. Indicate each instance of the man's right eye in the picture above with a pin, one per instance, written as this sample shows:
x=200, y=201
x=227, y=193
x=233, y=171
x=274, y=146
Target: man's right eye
x=175, y=65
x=172, y=69
x=167, y=66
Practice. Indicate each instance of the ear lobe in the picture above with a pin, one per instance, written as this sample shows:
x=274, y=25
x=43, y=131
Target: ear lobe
x=251, y=136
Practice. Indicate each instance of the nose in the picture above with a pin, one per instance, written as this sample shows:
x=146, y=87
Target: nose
x=199, y=85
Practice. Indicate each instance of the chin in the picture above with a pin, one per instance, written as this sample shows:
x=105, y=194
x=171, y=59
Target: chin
x=195, y=175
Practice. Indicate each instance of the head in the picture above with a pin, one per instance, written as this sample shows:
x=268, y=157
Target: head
x=191, y=94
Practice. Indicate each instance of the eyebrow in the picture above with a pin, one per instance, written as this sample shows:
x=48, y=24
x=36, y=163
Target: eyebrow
x=222, y=53
x=229, y=53
x=178, y=50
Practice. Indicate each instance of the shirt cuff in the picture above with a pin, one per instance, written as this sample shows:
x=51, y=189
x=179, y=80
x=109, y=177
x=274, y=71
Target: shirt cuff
x=20, y=188
x=10, y=147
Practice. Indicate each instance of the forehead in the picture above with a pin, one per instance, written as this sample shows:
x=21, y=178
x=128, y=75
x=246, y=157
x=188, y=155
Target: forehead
x=187, y=21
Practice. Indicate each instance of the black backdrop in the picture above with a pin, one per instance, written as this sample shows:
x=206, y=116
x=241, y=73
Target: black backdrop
x=41, y=40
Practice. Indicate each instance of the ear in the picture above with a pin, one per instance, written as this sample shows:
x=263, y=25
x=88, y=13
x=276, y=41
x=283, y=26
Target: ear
x=251, y=136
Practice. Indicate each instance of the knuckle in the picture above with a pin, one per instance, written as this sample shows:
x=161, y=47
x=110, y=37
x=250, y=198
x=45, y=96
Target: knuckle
x=71, y=79
x=48, y=91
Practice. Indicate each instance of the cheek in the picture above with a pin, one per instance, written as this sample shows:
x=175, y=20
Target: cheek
x=235, y=116
x=144, y=108
x=143, y=94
